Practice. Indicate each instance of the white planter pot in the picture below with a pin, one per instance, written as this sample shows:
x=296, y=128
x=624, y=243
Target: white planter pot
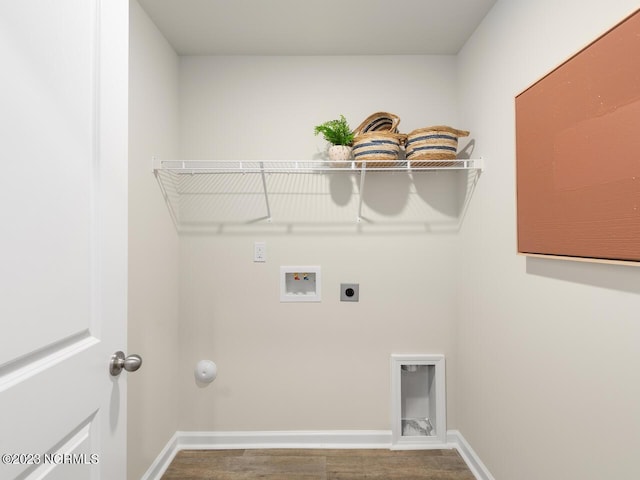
x=339, y=153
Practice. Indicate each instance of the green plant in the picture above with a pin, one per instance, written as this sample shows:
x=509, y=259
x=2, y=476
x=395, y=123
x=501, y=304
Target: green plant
x=336, y=132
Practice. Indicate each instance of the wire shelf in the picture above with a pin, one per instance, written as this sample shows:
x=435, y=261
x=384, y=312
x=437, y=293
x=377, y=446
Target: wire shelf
x=186, y=167
x=205, y=194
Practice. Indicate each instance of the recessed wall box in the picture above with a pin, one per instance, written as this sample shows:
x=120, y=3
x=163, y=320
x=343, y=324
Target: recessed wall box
x=418, y=401
x=300, y=284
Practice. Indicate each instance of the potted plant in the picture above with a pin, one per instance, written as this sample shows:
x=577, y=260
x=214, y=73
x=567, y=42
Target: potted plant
x=339, y=135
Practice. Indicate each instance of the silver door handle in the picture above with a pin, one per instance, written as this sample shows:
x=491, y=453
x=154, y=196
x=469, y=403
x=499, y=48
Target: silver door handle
x=118, y=362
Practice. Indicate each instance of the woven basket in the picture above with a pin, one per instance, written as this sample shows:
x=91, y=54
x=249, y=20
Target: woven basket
x=379, y=122
x=433, y=143
x=378, y=148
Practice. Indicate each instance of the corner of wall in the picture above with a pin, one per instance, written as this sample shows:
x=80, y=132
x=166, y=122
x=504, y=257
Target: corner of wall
x=153, y=245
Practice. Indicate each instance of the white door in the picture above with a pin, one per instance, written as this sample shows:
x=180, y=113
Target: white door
x=63, y=237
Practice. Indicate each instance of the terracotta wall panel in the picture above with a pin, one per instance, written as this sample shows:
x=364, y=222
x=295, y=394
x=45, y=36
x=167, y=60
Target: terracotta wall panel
x=578, y=153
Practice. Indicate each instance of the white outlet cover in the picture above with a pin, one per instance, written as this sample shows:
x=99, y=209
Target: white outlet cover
x=260, y=252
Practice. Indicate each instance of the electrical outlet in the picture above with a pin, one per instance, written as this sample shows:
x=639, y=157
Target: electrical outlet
x=260, y=252
x=349, y=292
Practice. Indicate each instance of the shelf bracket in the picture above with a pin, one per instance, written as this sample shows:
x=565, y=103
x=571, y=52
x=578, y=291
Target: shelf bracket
x=266, y=194
x=362, y=174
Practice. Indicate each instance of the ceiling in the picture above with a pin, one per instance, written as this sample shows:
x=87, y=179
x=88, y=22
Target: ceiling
x=321, y=27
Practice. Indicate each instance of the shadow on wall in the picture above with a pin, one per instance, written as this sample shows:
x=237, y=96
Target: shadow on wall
x=625, y=278
x=434, y=192
x=437, y=199
x=408, y=201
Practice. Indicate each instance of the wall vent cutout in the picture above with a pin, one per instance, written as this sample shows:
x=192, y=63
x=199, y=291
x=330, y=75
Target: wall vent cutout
x=418, y=400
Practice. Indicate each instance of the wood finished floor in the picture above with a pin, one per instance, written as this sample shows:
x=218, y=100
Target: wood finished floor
x=307, y=464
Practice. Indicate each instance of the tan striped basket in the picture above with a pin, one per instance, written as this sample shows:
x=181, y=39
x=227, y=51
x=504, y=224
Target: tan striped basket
x=433, y=143
x=379, y=149
x=379, y=122
x=377, y=140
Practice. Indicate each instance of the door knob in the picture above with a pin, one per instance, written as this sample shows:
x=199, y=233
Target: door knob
x=118, y=362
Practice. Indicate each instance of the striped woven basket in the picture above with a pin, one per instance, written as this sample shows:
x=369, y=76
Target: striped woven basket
x=433, y=143
x=379, y=122
x=379, y=149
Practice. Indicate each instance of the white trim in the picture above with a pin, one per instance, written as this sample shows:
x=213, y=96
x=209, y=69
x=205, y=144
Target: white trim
x=342, y=439
x=470, y=457
x=163, y=460
x=286, y=439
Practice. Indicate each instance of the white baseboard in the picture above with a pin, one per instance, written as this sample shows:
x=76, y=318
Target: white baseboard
x=470, y=457
x=163, y=460
x=285, y=439
x=302, y=439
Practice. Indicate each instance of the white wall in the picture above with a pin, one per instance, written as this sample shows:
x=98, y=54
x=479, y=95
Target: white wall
x=542, y=376
x=153, y=245
x=266, y=107
x=311, y=366
x=548, y=378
